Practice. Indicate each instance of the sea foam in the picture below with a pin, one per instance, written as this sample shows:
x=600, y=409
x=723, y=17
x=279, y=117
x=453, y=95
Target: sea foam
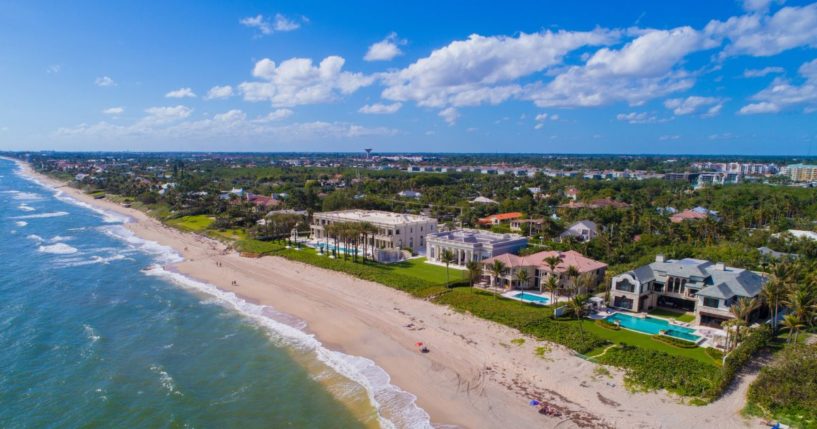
x=26, y=208
x=58, y=249
x=41, y=215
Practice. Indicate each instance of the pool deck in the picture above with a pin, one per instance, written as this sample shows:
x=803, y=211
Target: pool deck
x=708, y=336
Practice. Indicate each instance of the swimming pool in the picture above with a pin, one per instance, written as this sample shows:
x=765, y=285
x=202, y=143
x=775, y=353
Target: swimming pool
x=529, y=297
x=651, y=325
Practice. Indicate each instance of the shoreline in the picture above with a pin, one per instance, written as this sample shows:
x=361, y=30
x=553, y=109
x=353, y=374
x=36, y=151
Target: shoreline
x=474, y=377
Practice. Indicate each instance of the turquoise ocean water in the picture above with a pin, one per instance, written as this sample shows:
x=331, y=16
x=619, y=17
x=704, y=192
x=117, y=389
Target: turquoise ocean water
x=95, y=334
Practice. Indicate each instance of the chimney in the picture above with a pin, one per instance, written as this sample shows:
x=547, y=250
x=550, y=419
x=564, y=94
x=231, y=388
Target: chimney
x=659, y=258
x=720, y=266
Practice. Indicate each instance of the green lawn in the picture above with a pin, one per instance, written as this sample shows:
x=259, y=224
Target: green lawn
x=677, y=315
x=192, y=223
x=420, y=269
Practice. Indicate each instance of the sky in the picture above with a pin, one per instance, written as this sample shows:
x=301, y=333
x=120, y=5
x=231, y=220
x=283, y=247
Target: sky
x=682, y=77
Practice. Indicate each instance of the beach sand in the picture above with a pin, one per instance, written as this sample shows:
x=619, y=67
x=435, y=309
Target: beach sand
x=474, y=377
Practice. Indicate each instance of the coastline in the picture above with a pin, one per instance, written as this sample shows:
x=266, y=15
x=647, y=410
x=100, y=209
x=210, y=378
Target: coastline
x=474, y=377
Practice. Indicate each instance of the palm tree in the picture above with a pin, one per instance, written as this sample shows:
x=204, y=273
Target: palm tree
x=446, y=258
x=496, y=269
x=522, y=278
x=741, y=310
x=772, y=293
x=799, y=302
x=576, y=306
x=552, y=286
x=474, y=271
x=573, y=274
x=792, y=324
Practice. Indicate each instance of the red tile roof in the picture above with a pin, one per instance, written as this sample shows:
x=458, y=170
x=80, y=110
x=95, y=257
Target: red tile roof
x=500, y=217
x=571, y=257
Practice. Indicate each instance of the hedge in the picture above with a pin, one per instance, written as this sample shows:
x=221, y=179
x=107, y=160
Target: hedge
x=607, y=325
x=740, y=356
x=675, y=342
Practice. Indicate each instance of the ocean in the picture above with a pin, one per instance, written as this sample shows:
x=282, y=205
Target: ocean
x=95, y=333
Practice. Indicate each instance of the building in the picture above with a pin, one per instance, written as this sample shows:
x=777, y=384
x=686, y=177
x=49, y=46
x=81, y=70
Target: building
x=471, y=245
x=409, y=194
x=527, y=226
x=394, y=230
x=694, y=285
x=539, y=271
x=800, y=172
x=693, y=214
x=483, y=200
x=499, y=218
x=583, y=230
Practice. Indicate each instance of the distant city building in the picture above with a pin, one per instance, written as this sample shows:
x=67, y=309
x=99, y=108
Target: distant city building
x=800, y=172
x=693, y=285
x=471, y=245
x=394, y=230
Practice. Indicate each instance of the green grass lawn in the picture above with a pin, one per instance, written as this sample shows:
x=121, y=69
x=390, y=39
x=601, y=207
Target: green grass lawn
x=192, y=223
x=677, y=315
x=420, y=269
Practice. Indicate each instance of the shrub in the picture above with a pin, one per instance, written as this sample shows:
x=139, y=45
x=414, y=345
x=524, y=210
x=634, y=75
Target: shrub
x=735, y=360
x=607, y=325
x=675, y=342
x=715, y=354
x=788, y=387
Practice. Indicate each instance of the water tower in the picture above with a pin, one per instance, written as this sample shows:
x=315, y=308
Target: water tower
x=368, y=152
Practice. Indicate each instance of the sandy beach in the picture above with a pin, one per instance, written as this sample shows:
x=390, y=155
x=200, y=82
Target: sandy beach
x=474, y=377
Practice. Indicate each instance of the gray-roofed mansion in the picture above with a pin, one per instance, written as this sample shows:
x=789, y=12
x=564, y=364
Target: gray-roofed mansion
x=471, y=245
x=695, y=285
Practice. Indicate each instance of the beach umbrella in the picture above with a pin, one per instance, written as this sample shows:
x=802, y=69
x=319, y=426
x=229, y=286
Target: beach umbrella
x=534, y=402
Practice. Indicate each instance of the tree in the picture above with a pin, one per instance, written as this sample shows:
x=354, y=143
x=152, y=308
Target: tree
x=772, y=293
x=522, y=278
x=741, y=310
x=447, y=257
x=474, y=271
x=792, y=324
x=799, y=302
x=573, y=274
x=496, y=269
x=552, y=286
x=576, y=306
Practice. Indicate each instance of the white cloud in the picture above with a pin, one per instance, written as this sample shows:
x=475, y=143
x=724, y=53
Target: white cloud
x=638, y=118
x=279, y=23
x=539, y=126
x=764, y=35
x=380, y=108
x=386, y=49
x=758, y=5
x=104, y=81
x=53, y=69
x=643, y=69
x=541, y=117
x=181, y=93
x=275, y=115
x=481, y=69
x=297, y=81
x=782, y=93
x=695, y=104
x=113, y=111
x=232, y=124
x=218, y=92
x=763, y=72
x=669, y=137
x=450, y=115
x=722, y=136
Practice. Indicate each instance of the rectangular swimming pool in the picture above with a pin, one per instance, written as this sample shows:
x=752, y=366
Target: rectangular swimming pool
x=653, y=326
x=529, y=297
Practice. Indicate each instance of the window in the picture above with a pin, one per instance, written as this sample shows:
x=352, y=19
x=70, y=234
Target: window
x=625, y=286
x=711, y=302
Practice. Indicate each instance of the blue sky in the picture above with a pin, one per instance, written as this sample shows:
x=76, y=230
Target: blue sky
x=702, y=77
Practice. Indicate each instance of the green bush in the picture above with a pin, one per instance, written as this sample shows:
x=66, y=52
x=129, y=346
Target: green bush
x=787, y=388
x=675, y=342
x=653, y=370
x=735, y=360
x=715, y=354
x=607, y=325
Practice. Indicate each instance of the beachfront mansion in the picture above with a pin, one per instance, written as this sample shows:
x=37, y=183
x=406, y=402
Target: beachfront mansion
x=707, y=289
x=394, y=230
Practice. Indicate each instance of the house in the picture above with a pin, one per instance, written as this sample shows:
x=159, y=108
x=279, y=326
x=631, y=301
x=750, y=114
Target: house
x=773, y=254
x=409, y=194
x=394, y=230
x=583, y=230
x=572, y=193
x=538, y=270
x=482, y=200
x=596, y=204
x=499, y=218
x=235, y=191
x=702, y=287
x=799, y=233
x=528, y=226
x=263, y=202
x=471, y=245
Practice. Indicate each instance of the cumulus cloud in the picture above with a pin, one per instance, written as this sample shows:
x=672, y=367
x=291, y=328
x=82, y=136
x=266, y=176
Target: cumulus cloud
x=297, y=81
x=386, y=49
x=165, y=114
x=758, y=5
x=104, y=81
x=764, y=35
x=380, y=108
x=450, y=115
x=232, y=124
x=638, y=118
x=643, y=69
x=782, y=93
x=275, y=115
x=181, y=93
x=113, y=111
x=267, y=26
x=545, y=116
x=218, y=92
x=709, y=106
x=482, y=69
x=763, y=72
